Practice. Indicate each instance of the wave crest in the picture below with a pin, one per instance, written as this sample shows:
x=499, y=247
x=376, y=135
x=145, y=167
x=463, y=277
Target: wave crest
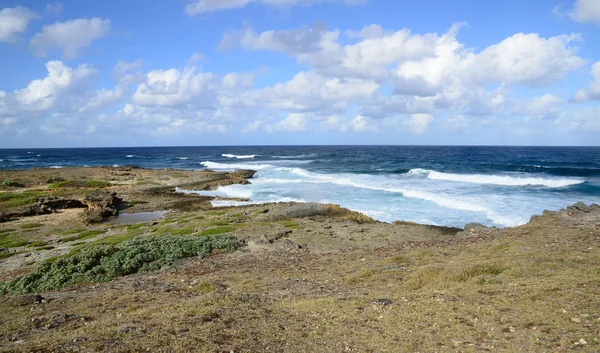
x=231, y=166
x=494, y=179
x=249, y=156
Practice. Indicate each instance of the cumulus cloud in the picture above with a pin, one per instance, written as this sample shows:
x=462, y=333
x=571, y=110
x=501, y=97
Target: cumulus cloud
x=175, y=87
x=205, y=6
x=127, y=73
x=42, y=94
x=14, y=20
x=70, y=36
x=593, y=90
x=586, y=11
x=195, y=58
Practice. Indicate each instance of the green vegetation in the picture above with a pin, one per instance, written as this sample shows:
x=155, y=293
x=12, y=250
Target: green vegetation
x=217, y=230
x=14, y=199
x=37, y=243
x=290, y=224
x=216, y=223
x=79, y=184
x=30, y=225
x=70, y=231
x=11, y=241
x=11, y=183
x=84, y=235
x=214, y=213
x=103, y=263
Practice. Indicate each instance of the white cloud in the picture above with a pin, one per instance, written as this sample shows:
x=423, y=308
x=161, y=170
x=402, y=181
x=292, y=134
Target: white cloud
x=293, y=122
x=538, y=106
x=195, y=58
x=526, y=59
x=238, y=80
x=103, y=98
x=310, y=92
x=61, y=80
x=361, y=123
x=14, y=21
x=53, y=9
x=586, y=11
x=205, y=6
x=128, y=73
x=419, y=123
x=593, y=90
x=175, y=87
x=71, y=36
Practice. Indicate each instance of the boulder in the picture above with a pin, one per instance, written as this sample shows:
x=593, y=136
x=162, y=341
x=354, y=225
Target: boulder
x=244, y=173
x=101, y=205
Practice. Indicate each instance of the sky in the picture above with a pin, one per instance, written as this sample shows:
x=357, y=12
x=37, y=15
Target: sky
x=299, y=72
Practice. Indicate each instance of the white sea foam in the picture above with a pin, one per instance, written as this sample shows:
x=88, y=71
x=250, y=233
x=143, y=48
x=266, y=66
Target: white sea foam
x=130, y=156
x=55, y=166
x=182, y=158
x=228, y=155
x=495, y=179
x=233, y=191
x=231, y=166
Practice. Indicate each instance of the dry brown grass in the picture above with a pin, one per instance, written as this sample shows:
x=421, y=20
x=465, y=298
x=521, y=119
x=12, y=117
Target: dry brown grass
x=535, y=288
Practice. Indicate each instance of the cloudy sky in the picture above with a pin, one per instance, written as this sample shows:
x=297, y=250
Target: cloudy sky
x=261, y=72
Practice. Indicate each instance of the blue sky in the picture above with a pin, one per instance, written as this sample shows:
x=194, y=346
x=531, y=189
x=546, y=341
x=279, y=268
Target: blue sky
x=260, y=72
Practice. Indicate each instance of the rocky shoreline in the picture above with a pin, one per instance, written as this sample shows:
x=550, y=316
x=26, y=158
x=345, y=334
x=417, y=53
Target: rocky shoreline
x=283, y=277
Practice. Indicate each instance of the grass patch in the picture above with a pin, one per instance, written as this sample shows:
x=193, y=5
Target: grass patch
x=70, y=231
x=30, y=225
x=12, y=183
x=290, y=224
x=79, y=184
x=37, y=243
x=216, y=223
x=6, y=231
x=114, y=239
x=203, y=287
x=12, y=241
x=479, y=270
x=6, y=255
x=103, y=263
x=215, y=213
x=217, y=230
x=84, y=235
x=16, y=199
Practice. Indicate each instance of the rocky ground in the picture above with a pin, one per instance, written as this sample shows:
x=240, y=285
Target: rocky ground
x=308, y=277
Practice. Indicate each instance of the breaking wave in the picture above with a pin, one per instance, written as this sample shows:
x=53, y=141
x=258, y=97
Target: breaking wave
x=228, y=155
x=231, y=166
x=494, y=179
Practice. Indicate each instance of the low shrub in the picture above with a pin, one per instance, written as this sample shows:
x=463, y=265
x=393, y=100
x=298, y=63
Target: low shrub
x=79, y=184
x=103, y=263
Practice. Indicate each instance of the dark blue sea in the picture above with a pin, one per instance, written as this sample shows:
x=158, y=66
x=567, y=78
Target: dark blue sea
x=496, y=186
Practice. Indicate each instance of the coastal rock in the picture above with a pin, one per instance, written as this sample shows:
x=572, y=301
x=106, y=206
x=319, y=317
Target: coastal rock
x=244, y=173
x=101, y=205
x=582, y=207
x=472, y=227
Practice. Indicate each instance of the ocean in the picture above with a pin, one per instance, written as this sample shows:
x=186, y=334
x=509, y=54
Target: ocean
x=440, y=185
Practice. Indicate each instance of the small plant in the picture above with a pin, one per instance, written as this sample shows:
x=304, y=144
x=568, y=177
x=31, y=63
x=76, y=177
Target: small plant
x=84, y=235
x=12, y=183
x=30, y=225
x=79, y=184
x=97, y=264
x=217, y=231
x=290, y=224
